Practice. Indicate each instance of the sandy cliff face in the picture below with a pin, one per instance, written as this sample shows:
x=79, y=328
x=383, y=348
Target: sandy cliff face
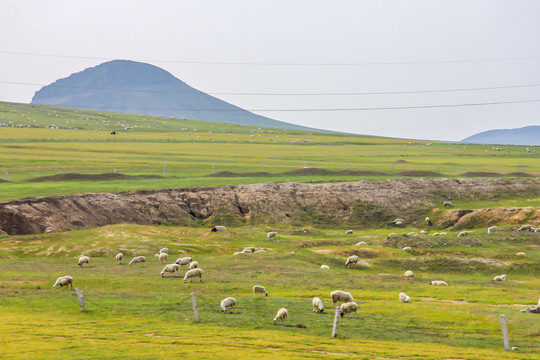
x=361, y=203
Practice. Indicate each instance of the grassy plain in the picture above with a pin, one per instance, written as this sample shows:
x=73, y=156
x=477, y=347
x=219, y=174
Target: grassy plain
x=76, y=141
x=134, y=313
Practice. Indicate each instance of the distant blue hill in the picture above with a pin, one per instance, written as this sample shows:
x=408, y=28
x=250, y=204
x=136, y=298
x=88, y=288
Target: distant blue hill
x=137, y=88
x=528, y=135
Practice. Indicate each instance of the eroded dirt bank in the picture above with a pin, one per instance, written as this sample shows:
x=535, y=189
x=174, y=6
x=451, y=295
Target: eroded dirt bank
x=357, y=204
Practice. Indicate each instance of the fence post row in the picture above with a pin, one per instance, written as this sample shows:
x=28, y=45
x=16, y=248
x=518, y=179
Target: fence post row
x=336, y=321
x=80, y=295
x=505, y=333
x=195, y=309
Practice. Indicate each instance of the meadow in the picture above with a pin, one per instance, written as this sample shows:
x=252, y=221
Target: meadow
x=37, y=141
x=133, y=313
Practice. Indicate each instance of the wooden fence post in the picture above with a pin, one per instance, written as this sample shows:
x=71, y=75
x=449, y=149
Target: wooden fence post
x=336, y=321
x=505, y=333
x=80, y=295
x=195, y=309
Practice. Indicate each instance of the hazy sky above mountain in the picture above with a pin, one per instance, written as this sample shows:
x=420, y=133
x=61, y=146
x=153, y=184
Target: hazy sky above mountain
x=241, y=51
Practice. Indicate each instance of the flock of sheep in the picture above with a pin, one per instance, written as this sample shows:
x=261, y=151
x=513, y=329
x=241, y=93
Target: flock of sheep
x=348, y=306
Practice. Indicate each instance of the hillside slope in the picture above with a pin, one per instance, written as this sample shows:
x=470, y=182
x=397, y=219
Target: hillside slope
x=137, y=88
x=528, y=135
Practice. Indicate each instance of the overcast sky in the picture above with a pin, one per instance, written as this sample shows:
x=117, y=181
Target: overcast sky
x=302, y=47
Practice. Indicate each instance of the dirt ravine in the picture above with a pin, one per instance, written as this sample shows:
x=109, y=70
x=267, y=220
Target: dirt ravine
x=361, y=203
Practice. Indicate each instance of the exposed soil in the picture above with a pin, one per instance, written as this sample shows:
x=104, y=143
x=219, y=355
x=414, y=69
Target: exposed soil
x=520, y=174
x=90, y=177
x=481, y=174
x=364, y=203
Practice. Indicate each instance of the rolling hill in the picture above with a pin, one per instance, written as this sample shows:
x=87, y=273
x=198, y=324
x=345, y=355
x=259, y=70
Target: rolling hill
x=528, y=135
x=137, y=88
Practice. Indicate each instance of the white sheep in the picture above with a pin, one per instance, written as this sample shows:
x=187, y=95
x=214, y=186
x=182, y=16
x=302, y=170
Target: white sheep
x=238, y=253
x=448, y=204
x=193, y=265
x=537, y=230
x=64, y=281
x=281, y=315
x=407, y=248
x=228, y=302
x=464, y=233
x=435, y=234
x=326, y=267
x=258, y=289
x=164, y=250
x=391, y=234
x=137, y=259
x=525, y=227
x=249, y=249
x=190, y=274
x=162, y=257
x=361, y=243
x=271, y=234
x=340, y=296
x=83, y=260
x=409, y=274
x=438, y=283
x=317, y=305
x=500, y=278
x=491, y=229
x=348, y=232
x=398, y=223
x=351, y=260
x=423, y=232
x=183, y=261
x=348, y=308
x=428, y=221
x=172, y=268
x=520, y=253
x=119, y=258
x=219, y=228
x=404, y=298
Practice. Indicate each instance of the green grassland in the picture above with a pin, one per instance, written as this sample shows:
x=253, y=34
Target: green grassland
x=40, y=141
x=134, y=313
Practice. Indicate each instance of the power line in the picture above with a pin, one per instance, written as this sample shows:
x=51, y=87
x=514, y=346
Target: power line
x=325, y=109
x=285, y=94
x=282, y=63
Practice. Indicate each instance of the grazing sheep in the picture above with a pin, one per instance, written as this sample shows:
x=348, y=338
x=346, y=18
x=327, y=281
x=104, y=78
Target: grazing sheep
x=162, y=257
x=172, y=268
x=64, y=281
x=238, y=253
x=164, y=250
x=348, y=308
x=464, y=233
x=448, y=204
x=423, y=232
x=442, y=233
x=137, y=259
x=428, y=221
x=250, y=249
x=435, y=234
x=219, y=228
x=348, y=232
x=228, y=302
x=361, y=243
x=351, y=260
x=391, y=234
x=404, y=298
x=438, y=283
x=524, y=227
x=193, y=265
x=491, y=229
x=398, y=223
x=281, y=315
x=258, y=289
x=407, y=248
x=183, y=261
x=83, y=260
x=500, y=278
x=537, y=230
x=271, y=234
x=340, y=296
x=317, y=305
x=325, y=267
x=119, y=258
x=520, y=253
x=190, y=274
x=409, y=274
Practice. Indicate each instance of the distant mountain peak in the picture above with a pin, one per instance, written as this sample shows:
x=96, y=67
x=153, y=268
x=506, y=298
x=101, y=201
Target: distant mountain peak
x=132, y=87
x=528, y=135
